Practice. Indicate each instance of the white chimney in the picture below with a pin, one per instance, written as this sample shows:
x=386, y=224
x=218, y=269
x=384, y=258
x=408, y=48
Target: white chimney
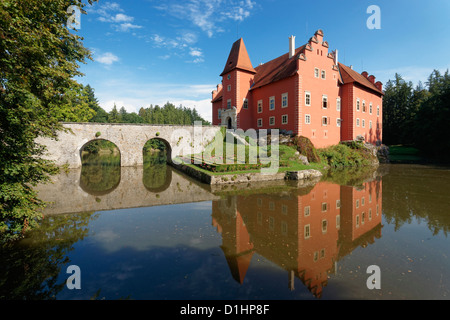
x=336, y=57
x=291, y=46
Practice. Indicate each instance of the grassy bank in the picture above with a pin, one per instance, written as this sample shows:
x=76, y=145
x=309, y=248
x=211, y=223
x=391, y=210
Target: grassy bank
x=291, y=158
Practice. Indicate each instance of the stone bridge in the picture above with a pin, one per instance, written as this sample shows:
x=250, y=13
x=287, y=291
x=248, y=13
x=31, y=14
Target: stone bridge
x=129, y=139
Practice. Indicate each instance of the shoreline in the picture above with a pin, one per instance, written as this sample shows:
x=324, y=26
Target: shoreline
x=234, y=178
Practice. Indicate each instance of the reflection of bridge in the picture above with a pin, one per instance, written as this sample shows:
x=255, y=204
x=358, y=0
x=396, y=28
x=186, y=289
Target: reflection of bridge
x=129, y=139
x=67, y=193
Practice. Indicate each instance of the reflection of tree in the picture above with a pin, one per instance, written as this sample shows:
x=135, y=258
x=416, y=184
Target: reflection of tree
x=415, y=192
x=100, y=174
x=30, y=268
x=351, y=176
x=157, y=174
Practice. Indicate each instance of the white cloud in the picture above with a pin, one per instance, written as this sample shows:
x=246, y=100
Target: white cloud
x=126, y=27
x=120, y=21
x=107, y=58
x=196, y=52
x=208, y=15
x=120, y=17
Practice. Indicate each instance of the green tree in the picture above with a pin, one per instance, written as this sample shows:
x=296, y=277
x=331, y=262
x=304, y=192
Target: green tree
x=101, y=116
x=39, y=61
x=431, y=121
x=397, y=115
x=114, y=116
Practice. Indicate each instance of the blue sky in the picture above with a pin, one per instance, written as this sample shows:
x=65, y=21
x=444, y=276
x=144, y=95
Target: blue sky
x=150, y=52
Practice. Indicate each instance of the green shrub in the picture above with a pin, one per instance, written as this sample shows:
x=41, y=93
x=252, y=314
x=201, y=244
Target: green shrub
x=306, y=148
x=345, y=155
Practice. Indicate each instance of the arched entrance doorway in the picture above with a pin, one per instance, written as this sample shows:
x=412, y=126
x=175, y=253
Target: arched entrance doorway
x=229, y=123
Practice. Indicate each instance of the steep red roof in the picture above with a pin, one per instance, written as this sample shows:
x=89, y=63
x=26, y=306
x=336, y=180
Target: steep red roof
x=276, y=69
x=238, y=58
x=349, y=75
x=219, y=96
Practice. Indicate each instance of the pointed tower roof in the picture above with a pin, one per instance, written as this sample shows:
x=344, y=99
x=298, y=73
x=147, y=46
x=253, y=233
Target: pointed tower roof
x=238, y=58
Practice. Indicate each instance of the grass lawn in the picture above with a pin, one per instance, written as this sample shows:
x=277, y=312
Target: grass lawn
x=288, y=161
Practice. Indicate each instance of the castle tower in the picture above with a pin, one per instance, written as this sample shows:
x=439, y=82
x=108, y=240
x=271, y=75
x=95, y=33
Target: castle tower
x=237, y=77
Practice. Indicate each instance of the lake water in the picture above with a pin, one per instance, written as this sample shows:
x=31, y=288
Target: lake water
x=153, y=233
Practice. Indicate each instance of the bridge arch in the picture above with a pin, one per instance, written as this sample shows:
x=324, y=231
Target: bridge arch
x=167, y=147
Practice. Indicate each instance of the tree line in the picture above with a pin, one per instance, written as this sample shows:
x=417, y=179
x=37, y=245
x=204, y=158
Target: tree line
x=167, y=114
x=418, y=116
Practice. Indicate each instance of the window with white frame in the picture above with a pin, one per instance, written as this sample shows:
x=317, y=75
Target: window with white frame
x=307, y=119
x=245, y=104
x=307, y=231
x=370, y=124
x=324, y=226
x=284, y=119
x=338, y=122
x=323, y=74
x=272, y=121
x=357, y=122
x=307, y=211
x=324, y=121
x=370, y=108
x=378, y=111
x=316, y=72
x=338, y=104
x=272, y=103
x=357, y=104
x=284, y=100
x=228, y=103
x=260, y=106
x=324, y=102
x=363, y=123
x=260, y=122
x=307, y=98
x=363, y=106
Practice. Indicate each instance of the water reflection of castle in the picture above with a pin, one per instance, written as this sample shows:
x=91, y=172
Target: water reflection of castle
x=304, y=232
